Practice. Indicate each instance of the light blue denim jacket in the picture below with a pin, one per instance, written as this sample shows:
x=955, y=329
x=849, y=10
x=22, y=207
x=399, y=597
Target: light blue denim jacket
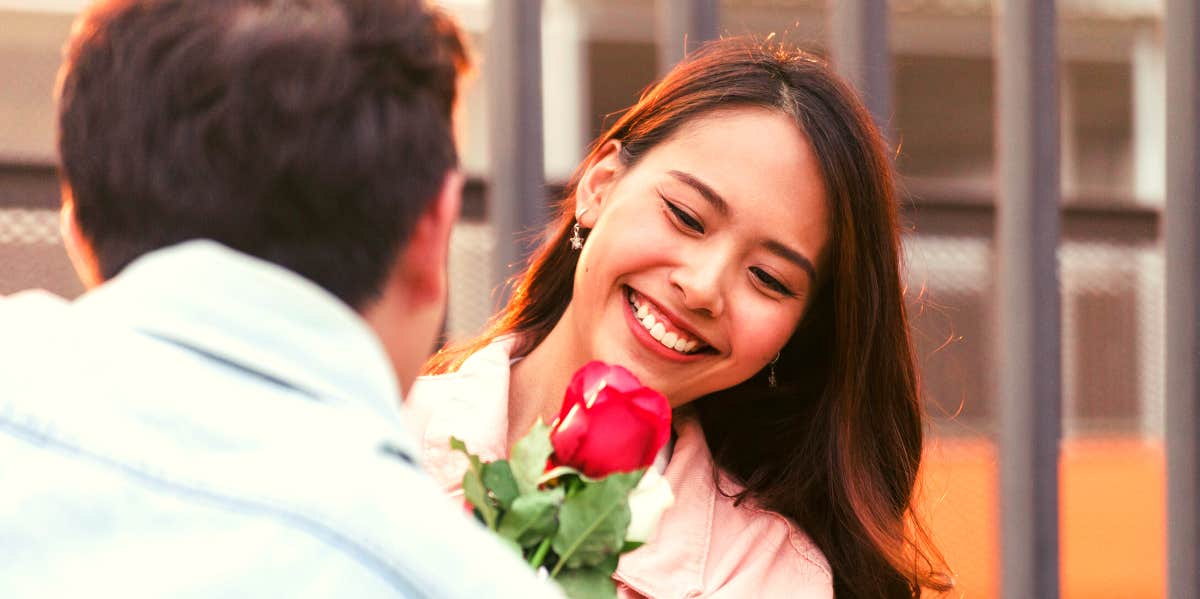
x=211, y=425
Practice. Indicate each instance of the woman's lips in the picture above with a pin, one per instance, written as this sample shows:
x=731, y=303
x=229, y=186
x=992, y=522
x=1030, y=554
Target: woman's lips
x=661, y=328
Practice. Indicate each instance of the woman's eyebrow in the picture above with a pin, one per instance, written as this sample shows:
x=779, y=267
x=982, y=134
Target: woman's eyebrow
x=787, y=253
x=708, y=193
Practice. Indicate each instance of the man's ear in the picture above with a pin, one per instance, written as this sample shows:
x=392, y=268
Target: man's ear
x=83, y=259
x=597, y=181
x=423, y=259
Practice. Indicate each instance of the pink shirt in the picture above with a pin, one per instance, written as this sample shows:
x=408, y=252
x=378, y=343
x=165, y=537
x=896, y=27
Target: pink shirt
x=705, y=546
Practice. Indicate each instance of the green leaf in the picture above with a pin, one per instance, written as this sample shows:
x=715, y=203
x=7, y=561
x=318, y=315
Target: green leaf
x=473, y=488
x=475, y=493
x=609, y=565
x=593, y=521
x=587, y=583
x=529, y=456
x=630, y=546
x=498, y=478
x=532, y=517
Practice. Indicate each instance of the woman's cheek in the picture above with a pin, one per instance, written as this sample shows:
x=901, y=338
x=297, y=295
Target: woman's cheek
x=764, y=326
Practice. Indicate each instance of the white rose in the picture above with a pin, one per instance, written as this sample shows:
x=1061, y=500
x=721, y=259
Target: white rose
x=647, y=502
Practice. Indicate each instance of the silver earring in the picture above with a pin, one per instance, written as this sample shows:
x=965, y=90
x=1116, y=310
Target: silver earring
x=771, y=382
x=576, y=238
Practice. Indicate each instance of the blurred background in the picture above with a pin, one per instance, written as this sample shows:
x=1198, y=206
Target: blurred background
x=595, y=57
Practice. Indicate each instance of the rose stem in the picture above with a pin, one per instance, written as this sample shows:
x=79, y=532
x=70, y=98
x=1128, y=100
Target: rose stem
x=540, y=554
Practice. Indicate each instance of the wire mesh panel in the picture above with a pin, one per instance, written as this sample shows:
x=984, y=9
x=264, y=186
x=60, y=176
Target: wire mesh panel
x=1112, y=317
x=472, y=299
x=1113, y=523
x=949, y=285
x=23, y=226
x=31, y=254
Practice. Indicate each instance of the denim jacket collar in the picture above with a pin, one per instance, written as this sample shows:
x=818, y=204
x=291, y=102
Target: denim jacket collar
x=214, y=300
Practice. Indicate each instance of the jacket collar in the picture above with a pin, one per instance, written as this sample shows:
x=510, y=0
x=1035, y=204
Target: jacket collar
x=255, y=315
x=470, y=404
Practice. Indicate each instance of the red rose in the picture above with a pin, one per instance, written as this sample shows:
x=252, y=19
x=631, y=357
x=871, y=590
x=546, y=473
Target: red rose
x=609, y=422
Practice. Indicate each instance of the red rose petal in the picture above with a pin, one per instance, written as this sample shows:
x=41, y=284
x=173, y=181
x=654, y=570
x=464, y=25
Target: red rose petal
x=622, y=430
x=568, y=436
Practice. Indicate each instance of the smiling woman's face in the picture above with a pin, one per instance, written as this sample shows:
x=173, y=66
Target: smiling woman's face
x=702, y=255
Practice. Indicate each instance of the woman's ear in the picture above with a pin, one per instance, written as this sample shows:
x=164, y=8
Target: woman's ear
x=597, y=182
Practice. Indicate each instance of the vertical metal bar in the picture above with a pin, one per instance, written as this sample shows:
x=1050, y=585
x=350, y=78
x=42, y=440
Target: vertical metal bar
x=565, y=98
x=1181, y=227
x=683, y=25
x=516, y=190
x=858, y=47
x=1029, y=321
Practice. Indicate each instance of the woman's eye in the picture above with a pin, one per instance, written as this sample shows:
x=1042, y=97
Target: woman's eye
x=770, y=282
x=684, y=218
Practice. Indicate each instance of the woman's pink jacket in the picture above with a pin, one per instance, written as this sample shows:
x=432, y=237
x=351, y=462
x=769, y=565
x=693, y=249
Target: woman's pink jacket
x=705, y=546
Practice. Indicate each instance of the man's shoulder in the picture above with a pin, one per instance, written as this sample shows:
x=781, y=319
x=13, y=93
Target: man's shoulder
x=336, y=503
x=147, y=454
x=42, y=333
x=32, y=306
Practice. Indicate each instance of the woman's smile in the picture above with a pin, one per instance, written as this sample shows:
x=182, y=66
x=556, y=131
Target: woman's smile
x=654, y=328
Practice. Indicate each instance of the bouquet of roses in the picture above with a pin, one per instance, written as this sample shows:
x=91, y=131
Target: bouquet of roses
x=575, y=495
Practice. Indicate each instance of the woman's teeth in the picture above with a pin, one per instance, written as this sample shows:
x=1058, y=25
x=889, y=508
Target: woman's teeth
x=672, y=339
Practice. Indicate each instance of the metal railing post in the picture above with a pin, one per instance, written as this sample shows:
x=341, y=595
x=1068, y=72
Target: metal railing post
x=1028, y=323
x=858, y=48
x=681, y=26
x=516, y=186
x=1181, y=226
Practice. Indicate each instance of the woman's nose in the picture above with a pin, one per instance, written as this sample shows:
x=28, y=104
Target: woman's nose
x=700, y=282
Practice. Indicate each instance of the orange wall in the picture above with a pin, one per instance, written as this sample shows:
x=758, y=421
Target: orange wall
x=1113, y=521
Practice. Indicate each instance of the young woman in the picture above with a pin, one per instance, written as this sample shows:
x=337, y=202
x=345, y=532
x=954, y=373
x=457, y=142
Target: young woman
x=733, y=241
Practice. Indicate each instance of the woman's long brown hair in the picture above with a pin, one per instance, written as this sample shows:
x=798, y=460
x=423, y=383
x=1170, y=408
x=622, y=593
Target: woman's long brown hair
x=837, y=444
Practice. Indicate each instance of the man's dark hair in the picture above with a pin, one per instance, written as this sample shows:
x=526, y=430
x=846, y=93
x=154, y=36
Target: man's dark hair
x=310, y=133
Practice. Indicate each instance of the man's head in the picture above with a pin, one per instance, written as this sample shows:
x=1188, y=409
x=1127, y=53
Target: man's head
x=315, y=134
